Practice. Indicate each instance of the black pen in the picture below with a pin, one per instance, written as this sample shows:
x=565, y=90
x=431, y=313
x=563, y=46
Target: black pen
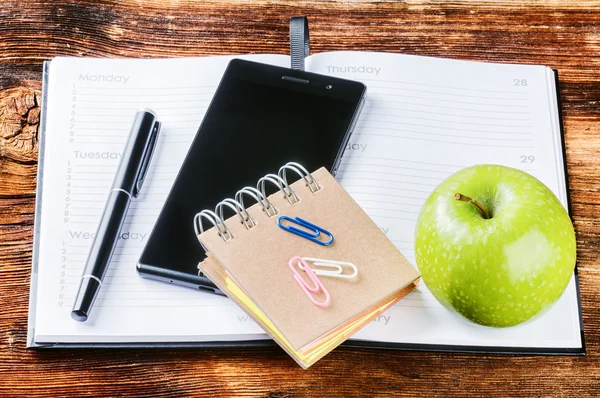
x=126, y=184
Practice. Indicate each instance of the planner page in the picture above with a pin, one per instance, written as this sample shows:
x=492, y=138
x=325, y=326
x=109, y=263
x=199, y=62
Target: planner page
x=424, y=119
x=90, y=108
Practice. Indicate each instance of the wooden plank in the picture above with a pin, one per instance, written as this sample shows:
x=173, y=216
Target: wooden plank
x=561, y=34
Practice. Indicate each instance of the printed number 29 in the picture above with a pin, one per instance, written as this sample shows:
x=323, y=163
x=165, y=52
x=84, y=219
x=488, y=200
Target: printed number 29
x=527, y=159
x=520, y=82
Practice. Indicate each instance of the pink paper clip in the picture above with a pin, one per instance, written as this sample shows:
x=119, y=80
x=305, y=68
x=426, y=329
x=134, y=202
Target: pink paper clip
x=309, y=290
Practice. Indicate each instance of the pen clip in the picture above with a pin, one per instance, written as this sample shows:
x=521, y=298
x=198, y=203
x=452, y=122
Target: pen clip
x=147, y=157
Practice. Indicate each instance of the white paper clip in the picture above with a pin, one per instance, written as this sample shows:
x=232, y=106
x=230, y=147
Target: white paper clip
x=335, y=269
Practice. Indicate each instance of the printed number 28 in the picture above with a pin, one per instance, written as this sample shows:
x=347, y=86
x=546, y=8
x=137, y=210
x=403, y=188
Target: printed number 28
x=520, y=82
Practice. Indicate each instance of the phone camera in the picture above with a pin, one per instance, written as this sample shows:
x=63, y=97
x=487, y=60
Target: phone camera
x=328, y=87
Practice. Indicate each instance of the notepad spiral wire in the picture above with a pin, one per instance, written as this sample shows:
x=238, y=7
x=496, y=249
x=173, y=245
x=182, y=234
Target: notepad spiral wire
x=259, y=194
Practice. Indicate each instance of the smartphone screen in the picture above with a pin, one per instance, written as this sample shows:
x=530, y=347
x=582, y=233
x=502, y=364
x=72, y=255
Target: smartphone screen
x=260, y=118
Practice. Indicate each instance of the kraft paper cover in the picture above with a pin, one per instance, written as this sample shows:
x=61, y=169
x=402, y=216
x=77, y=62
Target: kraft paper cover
x=257, y=260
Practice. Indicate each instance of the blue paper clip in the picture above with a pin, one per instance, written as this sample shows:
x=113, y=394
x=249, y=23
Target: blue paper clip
x=313, y=233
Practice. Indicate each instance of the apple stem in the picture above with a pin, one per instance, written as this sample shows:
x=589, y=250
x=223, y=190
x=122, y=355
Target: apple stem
x=460, y=196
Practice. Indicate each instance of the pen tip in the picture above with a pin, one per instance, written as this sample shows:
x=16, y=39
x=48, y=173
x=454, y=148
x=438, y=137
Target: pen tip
x=79, y=315
x=86, y=295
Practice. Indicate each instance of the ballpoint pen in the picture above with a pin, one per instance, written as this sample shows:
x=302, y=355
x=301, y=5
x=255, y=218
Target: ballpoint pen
x=126, y=184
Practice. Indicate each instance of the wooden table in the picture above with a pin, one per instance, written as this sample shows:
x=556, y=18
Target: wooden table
x=562, y=34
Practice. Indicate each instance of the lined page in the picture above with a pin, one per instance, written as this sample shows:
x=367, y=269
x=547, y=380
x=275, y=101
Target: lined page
x=424, y=119
x=91, y=104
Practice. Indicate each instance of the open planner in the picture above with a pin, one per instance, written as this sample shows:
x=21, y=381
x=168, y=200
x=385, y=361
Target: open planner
x=424, y=119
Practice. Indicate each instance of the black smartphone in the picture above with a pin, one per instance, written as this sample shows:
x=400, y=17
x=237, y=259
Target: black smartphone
x=260, y=118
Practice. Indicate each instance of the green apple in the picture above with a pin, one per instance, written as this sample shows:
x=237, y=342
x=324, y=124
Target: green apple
x=494, y=244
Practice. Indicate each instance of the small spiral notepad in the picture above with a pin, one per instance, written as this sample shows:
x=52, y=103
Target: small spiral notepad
x=253, y=255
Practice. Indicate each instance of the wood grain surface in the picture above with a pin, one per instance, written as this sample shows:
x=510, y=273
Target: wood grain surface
x=562, y=34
